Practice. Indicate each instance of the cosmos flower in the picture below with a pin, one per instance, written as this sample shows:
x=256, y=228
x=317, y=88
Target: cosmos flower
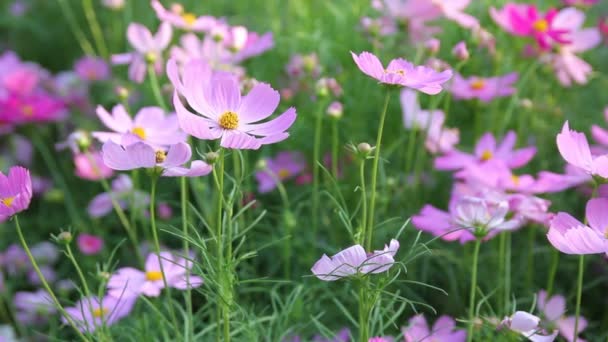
x=89, y=244
x=133, y=154
x=184, y=20
x=570, y=236
x=224, y=113
x=91, y=313
x=354, y=260
x=15, y=192
x=123, y=193
x=129, y=282
x=91, y=68
x=33, y=307
x=486, y=149
x=528, y=325
x=444, y=330
x=283, y=166
x=484, y=89
x=150, y=125
x=90, y=166
x=402, y=73
x=553, y=311
x=148, y=49
x=574, y=148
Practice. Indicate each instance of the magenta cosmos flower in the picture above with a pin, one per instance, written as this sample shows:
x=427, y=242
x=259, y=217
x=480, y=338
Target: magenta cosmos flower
x=402, y=73
x=91, y=313
x=148, y=48
x=444, y=330
x=284, y=166
x=484, y=89
x=129, y=282
x=574, y=148
x=150, y=125
x=15, y=191
x=123, y=193
x=224, y=113
x=487, y=149
x=179, y=18
x=133, y=154
x=354, y=260
x=553, y=313
x=570, y=236
x=89, y=244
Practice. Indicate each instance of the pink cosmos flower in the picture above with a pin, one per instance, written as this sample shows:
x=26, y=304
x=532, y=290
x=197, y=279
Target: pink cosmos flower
x=133, y=154
x=15, y=191
x=553, y=310
x=525, y=20
x=90, y=166
x=37, y=107
x=444, y=330
x=283, y=166
x=528, y=325
x=549, y=182
x=91, y=68
x=129, y=282
x=89, y=244
x=574, y=148
x=182, y=19
x=402, y=73
x=33, y=307
x=485, y=150
x=91, y=313
x=18, y=77
x=580, y=2
x=569, y=68
x=148, y=49
x=225, y=113
x=484, y=89
x=570, y=236
x=383, y=26
x=354, y=260
x=150, y=125
x=123, y=193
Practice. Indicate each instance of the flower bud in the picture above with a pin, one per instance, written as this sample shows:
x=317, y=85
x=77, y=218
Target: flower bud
x=460, y=51
x=122, y=92
x=64, y=238
x=364, y=149
x=335, y=110
x=432, y=45
x=212, y=157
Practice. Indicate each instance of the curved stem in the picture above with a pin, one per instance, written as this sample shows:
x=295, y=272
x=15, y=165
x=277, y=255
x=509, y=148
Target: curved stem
x=472, y=292
x=89, y=12
x=579, y=294
x=156, y=87
x=372, y=200
x=45, y=283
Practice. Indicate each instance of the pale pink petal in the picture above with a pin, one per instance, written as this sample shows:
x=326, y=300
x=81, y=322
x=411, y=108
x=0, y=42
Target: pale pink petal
x=259, y=103
x=119, y=121
x=369, y=64
x=177, y=155
x=140, y=37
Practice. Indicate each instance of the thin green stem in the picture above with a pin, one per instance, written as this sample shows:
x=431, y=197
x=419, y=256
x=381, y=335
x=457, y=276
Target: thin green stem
x=508, y=272
x=372, y=200
x=335, y=143
x=86, y=47
x=579, y=294
x=316, y=156
x=363, y=313
x=552, y=270
x=83, y=280
x=186, y=245
x=502, y=242
x=45, y=283
x=361, y=237
x=89, y=13
x=471, y=322
x=221, y=304
x=156, y=87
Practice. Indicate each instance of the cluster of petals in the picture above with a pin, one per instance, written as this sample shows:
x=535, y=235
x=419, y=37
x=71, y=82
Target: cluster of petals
x=15, y=191
x=122, y=193
x=91, y=313
x=553, y=310
x=528, y=325
x=444, y=330
x=179, y=18
x=484, y=89
x=575, y=150
x=224, y=113
x=285, y=165
x=354, y=260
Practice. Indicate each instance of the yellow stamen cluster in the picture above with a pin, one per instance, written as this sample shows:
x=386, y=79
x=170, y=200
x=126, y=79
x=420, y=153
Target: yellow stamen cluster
x=229, y=120
x=140, y=132
x=100, y=312
x=478, y=84
x=486, y=155
x=541, y=25
x=160, y=156
x=399, y=72
x=283, y=173
x=189, y=18
x=515, y=179
x=7, y=201
x=154, y=275
x=27, y=110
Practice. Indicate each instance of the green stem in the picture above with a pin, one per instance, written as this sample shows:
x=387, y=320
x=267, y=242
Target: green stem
x=316, y=156
x=86, y=47
x=552, y=270
x=508, y=272
x=156, y=87
x=579, y=294
x=372, y=200
x=471, y=323
x=361, y=237
x=335, y=143
x=502, y=242
x=44, y=282
x=221, y=304
x=186, y=245
x=363, y=314
x=89, y=12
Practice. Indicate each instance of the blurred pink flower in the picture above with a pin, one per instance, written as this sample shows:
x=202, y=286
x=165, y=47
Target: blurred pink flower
x=91, y=68
x=90, y=166
x=528, y=325
x=285, y=165
x=553, y=311
x=15, y=191
x=89, y=244
x=123, y=193
x=574, y=148
x=484, y=89
x=444, y=330
x=33, y=307
x=184, y=20
x=91, y=313
x=460, y=51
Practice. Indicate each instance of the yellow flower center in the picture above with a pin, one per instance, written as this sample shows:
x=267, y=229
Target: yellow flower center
x=140, y=132
x=515, y=179
x=154, y=275
x=27, y=110
x=160, y=156
x=229, y=120
x=100, y=312
x=189, y=18
x=478, y=84
x=283, y=173
x=541, y=25
x=399, y=72
x=486, y=155
x=7, y=201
